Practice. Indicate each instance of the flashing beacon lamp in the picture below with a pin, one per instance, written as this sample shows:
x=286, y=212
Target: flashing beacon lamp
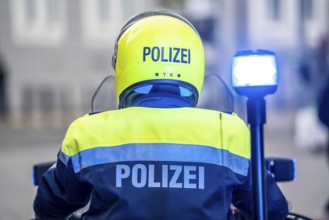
x=255, y=75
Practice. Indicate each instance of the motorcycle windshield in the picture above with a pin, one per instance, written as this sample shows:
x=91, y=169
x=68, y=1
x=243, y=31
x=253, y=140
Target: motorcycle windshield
x=215, y=95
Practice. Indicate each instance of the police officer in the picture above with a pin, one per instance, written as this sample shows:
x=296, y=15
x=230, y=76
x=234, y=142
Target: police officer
x=157, y=157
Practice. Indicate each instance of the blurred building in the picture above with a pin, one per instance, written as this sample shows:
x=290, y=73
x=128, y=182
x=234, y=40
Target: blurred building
x=58, y=51
x=292, y=29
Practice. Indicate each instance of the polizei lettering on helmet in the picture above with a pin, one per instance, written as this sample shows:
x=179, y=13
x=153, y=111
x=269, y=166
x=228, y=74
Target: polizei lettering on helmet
x=161, y=176
x=167, y=54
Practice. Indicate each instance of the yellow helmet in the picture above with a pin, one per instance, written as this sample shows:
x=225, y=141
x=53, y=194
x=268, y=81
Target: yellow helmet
x=158, y=48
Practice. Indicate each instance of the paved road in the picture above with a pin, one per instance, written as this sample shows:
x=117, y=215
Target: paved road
x=310, y=190
x=20, y=149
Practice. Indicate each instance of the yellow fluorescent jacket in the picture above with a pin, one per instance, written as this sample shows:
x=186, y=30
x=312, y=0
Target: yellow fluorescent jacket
x=153, y=134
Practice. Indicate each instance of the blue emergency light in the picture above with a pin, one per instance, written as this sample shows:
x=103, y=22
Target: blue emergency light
x=255, y=73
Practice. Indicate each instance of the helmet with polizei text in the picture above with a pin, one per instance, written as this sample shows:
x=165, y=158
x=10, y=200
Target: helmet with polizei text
x=158, y=49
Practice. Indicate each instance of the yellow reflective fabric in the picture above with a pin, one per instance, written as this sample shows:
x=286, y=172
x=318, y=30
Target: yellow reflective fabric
x=156, y=48
x=69, y=145
x=189, y=126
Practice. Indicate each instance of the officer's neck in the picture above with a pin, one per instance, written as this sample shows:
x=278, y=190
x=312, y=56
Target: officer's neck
x=161, y=102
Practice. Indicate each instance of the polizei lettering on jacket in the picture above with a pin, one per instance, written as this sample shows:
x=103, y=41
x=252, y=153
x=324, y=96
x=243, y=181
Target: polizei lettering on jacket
x=167, y=54
x=169, y=176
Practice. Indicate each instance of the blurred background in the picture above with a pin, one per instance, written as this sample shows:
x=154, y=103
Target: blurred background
x=55, y=53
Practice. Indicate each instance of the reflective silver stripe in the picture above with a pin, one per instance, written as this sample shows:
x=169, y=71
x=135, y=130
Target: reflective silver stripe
x=160, y=152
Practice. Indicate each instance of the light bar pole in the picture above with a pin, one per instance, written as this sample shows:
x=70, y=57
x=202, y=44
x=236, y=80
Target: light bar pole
x=256, y=116
x=254, y=74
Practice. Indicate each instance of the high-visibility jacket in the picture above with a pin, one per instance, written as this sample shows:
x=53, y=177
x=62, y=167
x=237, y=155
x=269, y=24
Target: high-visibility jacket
x=154, y=163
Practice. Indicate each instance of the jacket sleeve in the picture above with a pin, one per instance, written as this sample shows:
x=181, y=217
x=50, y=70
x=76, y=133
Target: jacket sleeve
x=277, y=206
x=60, y=191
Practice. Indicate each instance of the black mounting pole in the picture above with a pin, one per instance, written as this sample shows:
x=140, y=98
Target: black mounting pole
x=256, y=113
